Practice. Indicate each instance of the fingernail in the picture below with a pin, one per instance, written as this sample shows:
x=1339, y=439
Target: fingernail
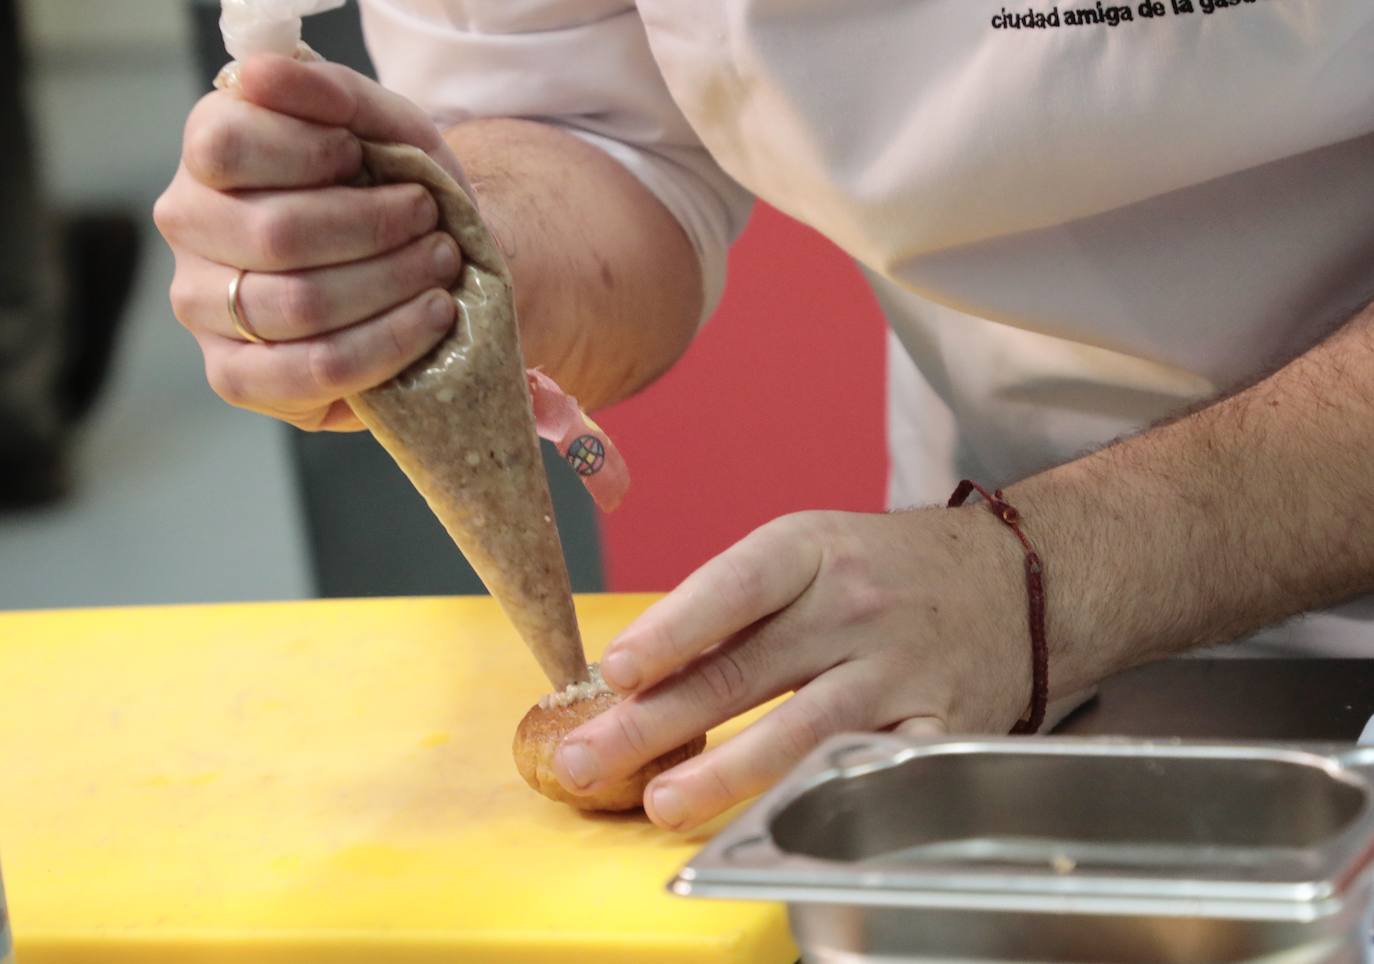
x=578, y=763
x=620, y=670
x=668, y=805
x=440, y=309
x=445, y=259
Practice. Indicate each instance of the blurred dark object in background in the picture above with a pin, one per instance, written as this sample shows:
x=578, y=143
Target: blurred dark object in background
x=64, y=282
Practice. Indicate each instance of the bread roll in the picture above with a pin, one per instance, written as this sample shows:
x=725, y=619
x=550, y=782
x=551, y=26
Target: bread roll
x=548, y=722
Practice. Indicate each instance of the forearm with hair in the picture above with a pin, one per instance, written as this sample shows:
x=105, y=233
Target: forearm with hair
x=607, y=284
x=1217, y=524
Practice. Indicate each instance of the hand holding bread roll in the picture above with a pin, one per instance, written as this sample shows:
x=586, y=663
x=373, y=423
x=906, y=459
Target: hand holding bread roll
x=553, y=718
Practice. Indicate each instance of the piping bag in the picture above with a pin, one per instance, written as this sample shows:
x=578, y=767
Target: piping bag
x=461, y=422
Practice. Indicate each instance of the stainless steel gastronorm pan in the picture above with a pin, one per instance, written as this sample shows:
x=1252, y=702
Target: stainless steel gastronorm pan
x=891, y=849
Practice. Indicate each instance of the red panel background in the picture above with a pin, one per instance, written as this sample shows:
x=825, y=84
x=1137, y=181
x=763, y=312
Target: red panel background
x=778, y=406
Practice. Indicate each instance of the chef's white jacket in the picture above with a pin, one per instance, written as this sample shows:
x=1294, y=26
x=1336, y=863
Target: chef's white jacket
x=1077, y=217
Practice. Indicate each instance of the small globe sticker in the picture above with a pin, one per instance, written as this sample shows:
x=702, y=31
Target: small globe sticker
x=586, y=455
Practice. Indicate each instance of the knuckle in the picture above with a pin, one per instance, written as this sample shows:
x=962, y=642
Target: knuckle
x=162, y=217
x=723, y=679
x=335, y=154
x=743, y=583
x=845, y=561
x=724, y=790
x=415, y=267
x=277, y=237
x=182, y=298
x=382, y=225
x=816, y=525
x=204, y=110
x=167, y=213
x=213, y=152
x=397, y=213
x=396, y=336
x=862, y=601
x=855, y=584
x=661, y=646
x=331, y=368
x=631, y=732
x=225, y=379
x=302, y=305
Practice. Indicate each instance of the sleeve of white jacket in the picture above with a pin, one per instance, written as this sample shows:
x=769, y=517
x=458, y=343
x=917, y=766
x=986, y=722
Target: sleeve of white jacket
x=583, y=65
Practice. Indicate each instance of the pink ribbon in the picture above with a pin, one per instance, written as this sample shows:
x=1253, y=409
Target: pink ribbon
x=589, y=450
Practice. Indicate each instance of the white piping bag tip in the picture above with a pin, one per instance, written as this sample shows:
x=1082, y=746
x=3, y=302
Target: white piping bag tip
x=252, y=27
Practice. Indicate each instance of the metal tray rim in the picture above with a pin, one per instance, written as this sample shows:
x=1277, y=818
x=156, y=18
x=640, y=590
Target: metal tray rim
x=768, y=873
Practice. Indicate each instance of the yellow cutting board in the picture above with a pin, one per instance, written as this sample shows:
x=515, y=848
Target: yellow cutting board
x=318, y=782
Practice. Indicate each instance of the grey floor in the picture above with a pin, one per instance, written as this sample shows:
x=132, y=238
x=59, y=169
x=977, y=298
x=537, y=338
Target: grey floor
x=179, y=498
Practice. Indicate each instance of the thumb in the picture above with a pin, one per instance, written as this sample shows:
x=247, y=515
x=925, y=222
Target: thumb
x=334, y=95
x=337, y=96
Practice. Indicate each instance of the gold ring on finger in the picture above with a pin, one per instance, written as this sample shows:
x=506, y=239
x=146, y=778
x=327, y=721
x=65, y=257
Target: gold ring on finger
x=236, y=314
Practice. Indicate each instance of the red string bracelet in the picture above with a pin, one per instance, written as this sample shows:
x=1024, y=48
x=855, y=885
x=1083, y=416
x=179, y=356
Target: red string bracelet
x=1035, y=594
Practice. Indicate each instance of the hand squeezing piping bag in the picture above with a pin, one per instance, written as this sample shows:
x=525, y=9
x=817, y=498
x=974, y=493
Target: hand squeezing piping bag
x=461, y=422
